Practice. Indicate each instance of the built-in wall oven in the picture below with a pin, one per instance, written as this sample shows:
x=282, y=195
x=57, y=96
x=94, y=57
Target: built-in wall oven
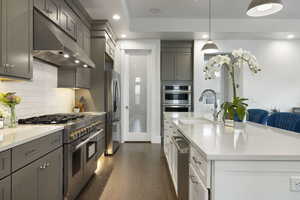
x=177, y=98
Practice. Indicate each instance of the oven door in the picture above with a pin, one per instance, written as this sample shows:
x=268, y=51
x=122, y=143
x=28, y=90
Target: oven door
x=91, y=154
x=177, y=98
x=73, y=168
x=177, y=108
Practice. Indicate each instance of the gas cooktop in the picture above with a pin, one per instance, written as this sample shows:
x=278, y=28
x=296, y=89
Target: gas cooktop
x=51, y=119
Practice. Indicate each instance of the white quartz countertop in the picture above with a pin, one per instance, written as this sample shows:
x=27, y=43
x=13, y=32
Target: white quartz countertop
x=253, y=142
x=11, y=137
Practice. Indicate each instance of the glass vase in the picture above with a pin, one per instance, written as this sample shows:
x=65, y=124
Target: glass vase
x=13, y=120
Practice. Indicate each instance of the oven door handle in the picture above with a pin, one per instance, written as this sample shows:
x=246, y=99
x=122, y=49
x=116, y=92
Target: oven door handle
x=88, y=139
x=183, y=106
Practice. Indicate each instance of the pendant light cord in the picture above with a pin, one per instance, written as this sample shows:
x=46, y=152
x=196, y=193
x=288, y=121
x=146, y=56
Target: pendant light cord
x=209, y=19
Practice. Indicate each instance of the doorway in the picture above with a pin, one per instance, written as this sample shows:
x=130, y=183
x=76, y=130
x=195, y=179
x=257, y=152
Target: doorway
x=136, y=95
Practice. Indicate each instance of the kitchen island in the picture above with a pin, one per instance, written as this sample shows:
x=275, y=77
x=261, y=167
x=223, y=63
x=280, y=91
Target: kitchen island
x=254, y=162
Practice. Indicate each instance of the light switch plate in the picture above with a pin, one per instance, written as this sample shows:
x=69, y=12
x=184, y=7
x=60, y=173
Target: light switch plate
x=295, y=184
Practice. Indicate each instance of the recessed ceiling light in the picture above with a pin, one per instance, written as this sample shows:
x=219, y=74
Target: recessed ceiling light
x=291, y=36
x=123, y=36
x=116, y=17
x=77, y=61
x=155, y=11
x=66, y=55
x=85, y=65
x=205, y=36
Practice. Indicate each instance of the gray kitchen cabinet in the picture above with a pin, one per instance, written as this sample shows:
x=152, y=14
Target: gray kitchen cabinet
x=5, y=163
x=177, y=61
x=74, y=78
x=167, y=66
x=50, y=8
x=68, y=21
x=5, y=188
x=84, y=37
x=16, y=57
x=183, y=66
x=176, y=66
x=42, y=179
x=80, y=34
x=87, y=41
x=28, y=152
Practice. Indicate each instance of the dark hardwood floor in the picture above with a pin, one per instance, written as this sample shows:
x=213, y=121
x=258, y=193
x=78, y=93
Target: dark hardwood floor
x=138, y=171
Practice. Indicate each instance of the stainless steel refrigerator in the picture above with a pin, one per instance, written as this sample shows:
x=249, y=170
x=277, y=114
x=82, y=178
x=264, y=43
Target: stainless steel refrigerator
x=113, y=109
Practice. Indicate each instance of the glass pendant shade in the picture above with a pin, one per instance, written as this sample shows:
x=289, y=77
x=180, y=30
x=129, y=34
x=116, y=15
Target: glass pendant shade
x=210, y=47
x=259, y=8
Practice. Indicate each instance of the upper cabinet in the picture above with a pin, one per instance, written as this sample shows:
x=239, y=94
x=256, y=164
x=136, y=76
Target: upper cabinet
x=74, y=78
x=84, y=37
x=177, y=61
x=65, y=18
x=68, y=21
x=49, y=8
x=16, y=38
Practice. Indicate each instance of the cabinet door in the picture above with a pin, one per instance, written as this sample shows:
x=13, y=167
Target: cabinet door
x=183, y=66
x=5, y=188
x=67, y=21
x=50, y=178
x=80, y=34
x=52, y=8
x=87, y=41
x=41, y=179
x=40, y=5
x=167, y=66
x=2, y=36
x=19, y=38
x=5, y=163
x=83, y=78
x=197, y=190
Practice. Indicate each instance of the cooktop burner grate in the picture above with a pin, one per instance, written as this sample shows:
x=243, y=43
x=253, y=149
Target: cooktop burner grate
x=51, y=119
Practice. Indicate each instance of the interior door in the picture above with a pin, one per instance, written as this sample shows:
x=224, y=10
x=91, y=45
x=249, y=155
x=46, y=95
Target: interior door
x=136, y=95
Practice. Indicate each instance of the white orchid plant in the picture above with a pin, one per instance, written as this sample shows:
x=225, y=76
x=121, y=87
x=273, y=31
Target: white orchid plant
x=238, y=58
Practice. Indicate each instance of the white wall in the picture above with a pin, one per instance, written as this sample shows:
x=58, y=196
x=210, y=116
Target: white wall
x=154, y=98
x=277, y=85
x=41, y=95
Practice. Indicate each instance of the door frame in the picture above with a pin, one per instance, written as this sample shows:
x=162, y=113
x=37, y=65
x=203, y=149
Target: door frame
x=154, y=91
x=139, y=136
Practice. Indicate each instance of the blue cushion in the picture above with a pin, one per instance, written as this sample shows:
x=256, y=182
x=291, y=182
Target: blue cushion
x=257, y=115
x=284, y=120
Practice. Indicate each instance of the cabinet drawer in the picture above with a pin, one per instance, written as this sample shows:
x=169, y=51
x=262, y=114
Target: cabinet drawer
x=26, y=153
x=201, y=166
x=5, y=163
x=197, y=190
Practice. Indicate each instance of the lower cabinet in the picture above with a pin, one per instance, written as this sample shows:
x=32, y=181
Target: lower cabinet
x=5, y=188
x=41, y=179
x=197, y=190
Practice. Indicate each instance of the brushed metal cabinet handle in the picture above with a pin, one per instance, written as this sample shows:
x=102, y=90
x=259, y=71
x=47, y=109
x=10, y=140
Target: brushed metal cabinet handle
x=197, y=161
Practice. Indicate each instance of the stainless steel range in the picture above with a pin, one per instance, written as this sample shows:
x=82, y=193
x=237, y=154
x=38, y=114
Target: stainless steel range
x=84, y=143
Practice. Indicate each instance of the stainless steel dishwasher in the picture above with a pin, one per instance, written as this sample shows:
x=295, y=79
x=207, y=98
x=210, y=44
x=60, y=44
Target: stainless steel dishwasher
x=183, y=150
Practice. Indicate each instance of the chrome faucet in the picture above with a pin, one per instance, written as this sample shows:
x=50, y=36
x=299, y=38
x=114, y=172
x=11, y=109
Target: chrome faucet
x=215, y=114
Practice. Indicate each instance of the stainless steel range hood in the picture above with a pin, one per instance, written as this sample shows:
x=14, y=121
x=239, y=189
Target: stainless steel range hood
x=51, y=44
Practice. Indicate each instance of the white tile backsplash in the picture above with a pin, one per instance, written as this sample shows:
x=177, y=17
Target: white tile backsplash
x=41, y=95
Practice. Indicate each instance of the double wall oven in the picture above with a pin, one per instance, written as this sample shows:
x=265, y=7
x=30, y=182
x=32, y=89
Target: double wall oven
x=177, y=98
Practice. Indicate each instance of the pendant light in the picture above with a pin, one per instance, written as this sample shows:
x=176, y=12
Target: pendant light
x=259, y=8
x=210, y=46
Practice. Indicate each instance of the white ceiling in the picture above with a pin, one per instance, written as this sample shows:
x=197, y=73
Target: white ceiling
x=187, y=19
x=199, y=8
